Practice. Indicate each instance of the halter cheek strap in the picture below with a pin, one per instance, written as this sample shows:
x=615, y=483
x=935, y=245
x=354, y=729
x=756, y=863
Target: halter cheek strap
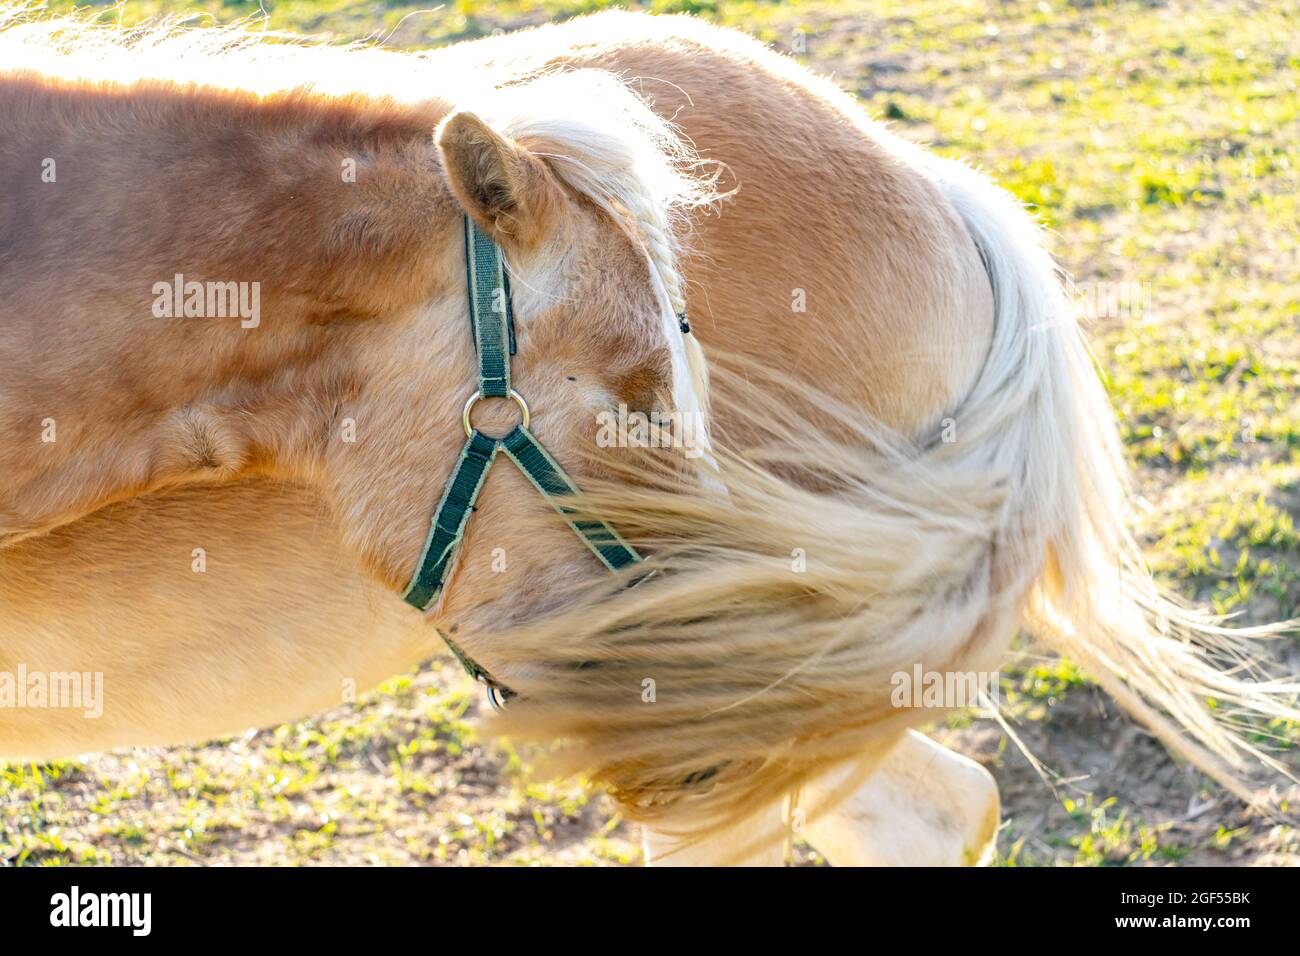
x=492, y=318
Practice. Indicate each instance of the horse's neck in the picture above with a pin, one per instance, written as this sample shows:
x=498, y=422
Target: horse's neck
x=184, y=275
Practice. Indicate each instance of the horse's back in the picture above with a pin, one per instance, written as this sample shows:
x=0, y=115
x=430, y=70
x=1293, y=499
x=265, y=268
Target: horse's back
x=837, y=258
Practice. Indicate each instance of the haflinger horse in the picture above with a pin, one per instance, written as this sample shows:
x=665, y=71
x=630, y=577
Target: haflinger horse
x=912, y=455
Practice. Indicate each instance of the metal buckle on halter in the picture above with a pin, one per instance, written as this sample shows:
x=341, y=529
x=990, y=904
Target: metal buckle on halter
x=524, y=416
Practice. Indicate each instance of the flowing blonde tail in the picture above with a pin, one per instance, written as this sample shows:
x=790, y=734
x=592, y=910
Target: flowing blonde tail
x=1193, y=682
x=767, y=646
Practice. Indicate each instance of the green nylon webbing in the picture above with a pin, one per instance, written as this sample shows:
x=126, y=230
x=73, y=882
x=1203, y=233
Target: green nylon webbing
x=551, y=480
x=462, y=491
x=449, y=519
x=489, y=311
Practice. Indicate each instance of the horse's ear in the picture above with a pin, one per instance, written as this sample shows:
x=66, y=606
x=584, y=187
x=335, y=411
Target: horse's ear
x=506, y=189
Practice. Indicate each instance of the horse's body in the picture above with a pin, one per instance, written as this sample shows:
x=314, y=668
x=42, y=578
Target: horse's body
x=845, y=253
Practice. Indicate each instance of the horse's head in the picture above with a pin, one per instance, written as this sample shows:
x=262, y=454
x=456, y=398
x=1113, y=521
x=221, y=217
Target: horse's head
x=575, y=181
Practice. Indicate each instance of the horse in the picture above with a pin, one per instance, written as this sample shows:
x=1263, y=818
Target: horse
x=928, y=301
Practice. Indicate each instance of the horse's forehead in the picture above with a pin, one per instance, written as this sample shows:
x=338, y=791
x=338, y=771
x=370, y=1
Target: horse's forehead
x=633, y=280
x=593, y=275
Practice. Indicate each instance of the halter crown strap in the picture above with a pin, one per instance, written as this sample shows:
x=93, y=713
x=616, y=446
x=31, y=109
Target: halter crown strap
x=494, y=341
x=490, y=313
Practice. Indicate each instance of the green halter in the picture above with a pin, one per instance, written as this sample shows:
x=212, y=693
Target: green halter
x=494, y=340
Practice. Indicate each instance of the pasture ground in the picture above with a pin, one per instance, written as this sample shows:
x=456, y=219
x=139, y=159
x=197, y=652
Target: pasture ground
x=1157, y=140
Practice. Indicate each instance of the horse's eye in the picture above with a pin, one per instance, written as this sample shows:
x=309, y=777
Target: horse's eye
x=644, y=387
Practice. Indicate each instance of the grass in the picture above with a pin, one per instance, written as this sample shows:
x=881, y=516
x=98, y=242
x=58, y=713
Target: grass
x=1157, y=141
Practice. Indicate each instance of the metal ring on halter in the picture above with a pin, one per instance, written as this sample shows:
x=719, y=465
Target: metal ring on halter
x=473, y=400
x=494, y=696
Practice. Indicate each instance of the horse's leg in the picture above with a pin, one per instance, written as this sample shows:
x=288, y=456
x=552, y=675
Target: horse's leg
x=763, y=832
x=923, y=806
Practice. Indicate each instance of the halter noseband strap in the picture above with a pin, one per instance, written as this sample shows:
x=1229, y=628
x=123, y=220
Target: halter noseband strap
x=494, y=340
